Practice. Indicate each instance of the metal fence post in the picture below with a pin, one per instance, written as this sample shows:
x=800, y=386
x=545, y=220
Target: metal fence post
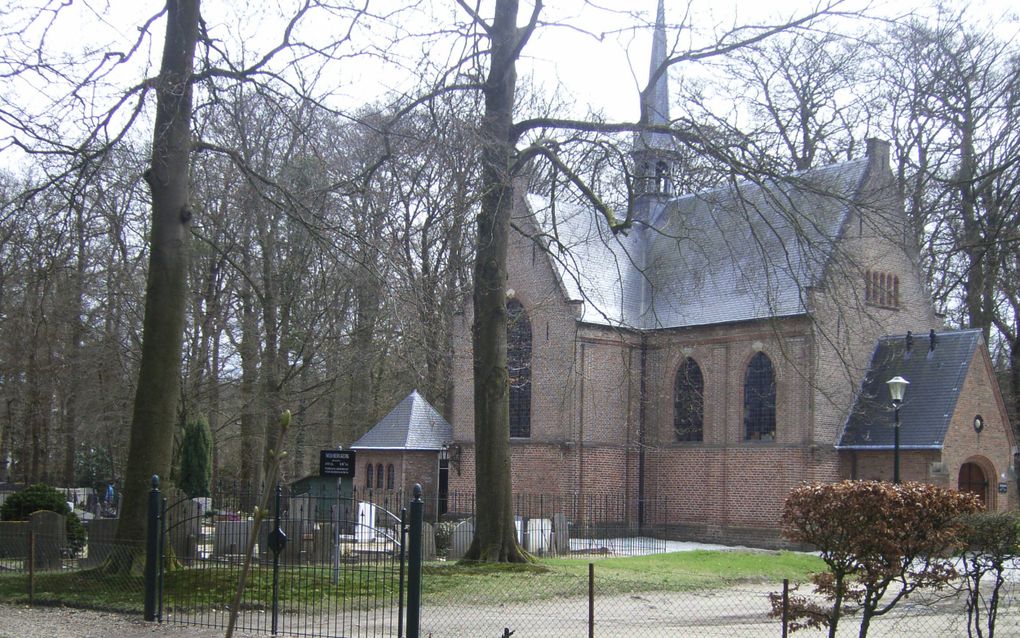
x=152, y=550
x=403, y=563
x=414, y=566
x=31, y=566
x=161, y=550
x=786, y=606
x=277, y=546
x=591, y=600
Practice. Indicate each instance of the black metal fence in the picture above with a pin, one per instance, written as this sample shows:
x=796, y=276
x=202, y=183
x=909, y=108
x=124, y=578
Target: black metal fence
x=321, y=565
x=341, y=572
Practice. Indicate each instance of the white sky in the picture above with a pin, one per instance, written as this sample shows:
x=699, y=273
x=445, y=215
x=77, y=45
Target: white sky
x=598, y=62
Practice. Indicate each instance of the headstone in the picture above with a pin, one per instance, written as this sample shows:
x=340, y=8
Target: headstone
x=460, y=539
x=364, y=528
x=101, y=532
x=295, y=531
x=204, y=504
x=231, y=537
x=13, y=539
x=50, y=533
x=184, y=529
x=303, y=507
x=321, y=547
x=539, y=536
x=428, y=542
x=560, y=534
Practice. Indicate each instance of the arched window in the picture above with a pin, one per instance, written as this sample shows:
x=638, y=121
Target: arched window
x=389, y=476
x=689, y=402
x=518, y=363
x=760, y=400
x=379, y=476
x=368, y=475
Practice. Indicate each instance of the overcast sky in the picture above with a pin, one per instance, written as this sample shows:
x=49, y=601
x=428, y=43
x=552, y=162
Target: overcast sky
x=594, y=53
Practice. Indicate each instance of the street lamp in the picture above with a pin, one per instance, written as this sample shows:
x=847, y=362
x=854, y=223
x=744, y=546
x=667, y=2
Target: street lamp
x=897, y=388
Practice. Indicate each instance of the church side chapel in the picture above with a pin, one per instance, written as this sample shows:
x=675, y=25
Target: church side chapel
x=735, y=344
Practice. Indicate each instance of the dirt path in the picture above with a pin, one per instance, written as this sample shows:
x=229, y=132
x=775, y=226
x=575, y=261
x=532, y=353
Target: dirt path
x=731, y=613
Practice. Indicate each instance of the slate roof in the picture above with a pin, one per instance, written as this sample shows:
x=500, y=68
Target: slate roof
x=413, y=425
x=743, y=252
x=936, y=378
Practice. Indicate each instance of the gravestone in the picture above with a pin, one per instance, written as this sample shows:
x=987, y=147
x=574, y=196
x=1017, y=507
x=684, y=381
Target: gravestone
x=428, y=541
x=302, y=508
x=231, y=537
x=560, y=534
x=364, y=528
x=321, y=547
x=295, y=531
x=101, y=532
x=14, y=539
x=184, y=528
x=539, y=536
x=50, y=533
x=460, y=539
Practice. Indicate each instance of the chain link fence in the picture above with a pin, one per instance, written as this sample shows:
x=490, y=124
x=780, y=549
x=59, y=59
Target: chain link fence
x=569, y=604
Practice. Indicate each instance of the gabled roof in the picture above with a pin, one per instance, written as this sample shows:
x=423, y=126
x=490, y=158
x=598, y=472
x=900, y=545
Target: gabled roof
x=936, y=378
x=413, y=425
x=743, y=252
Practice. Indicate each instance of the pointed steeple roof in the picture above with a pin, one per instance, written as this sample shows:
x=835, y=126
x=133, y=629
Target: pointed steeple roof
x=413, y=425
x=657, y=94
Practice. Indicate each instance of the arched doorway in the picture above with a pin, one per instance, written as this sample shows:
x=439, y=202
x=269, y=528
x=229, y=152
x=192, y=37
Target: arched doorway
x=972, y=479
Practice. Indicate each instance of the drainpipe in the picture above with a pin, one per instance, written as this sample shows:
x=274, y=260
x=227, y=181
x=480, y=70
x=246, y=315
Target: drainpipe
x=641, y=433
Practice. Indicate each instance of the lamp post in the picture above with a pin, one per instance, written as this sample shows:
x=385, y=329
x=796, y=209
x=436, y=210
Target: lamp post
x=897, y=388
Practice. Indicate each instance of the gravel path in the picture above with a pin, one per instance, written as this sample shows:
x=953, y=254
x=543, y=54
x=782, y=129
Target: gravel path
x=61, y=622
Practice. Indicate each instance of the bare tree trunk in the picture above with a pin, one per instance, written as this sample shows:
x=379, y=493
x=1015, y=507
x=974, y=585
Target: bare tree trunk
x=494, y=539
x=74, y=350
x=251, y=437
x=154, y=416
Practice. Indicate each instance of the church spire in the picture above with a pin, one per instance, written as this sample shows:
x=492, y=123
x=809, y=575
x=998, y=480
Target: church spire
x=652, y=156
x=658, y=93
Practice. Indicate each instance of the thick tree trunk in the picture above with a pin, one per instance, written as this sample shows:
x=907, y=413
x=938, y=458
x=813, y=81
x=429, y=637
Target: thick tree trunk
x=251, y=435
x=494, y=539
x=154, y=416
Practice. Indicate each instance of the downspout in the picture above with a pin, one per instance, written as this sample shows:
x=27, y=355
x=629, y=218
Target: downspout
x=641, y=433
x=580, y=438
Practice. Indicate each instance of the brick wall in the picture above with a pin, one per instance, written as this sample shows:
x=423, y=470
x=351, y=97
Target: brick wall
x=991, y=449
x=587, y=389
x=409, y=467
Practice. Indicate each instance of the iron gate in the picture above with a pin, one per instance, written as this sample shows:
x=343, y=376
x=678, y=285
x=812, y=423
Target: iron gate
x=336, y=567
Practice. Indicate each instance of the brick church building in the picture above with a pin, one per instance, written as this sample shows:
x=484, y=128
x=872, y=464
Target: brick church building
x=735, y=344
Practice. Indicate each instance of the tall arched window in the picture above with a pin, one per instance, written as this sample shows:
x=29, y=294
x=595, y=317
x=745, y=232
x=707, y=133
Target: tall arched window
x=518, y=363
x=689, y=402
x=760, y=400
x=389, y=476
x=379, y=476
x=368, y=475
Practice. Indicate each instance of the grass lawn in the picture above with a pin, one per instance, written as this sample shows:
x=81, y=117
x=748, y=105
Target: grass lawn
x=547, y=578
x=557, y=577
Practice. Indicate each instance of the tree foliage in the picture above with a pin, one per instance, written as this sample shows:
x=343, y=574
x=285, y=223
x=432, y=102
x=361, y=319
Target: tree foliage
x=40, y=497
x=196, y=458
x=881, y=542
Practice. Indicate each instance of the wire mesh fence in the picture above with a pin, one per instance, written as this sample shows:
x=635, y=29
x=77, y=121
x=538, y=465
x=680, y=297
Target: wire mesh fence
x=43, y=568
x=576, y=604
